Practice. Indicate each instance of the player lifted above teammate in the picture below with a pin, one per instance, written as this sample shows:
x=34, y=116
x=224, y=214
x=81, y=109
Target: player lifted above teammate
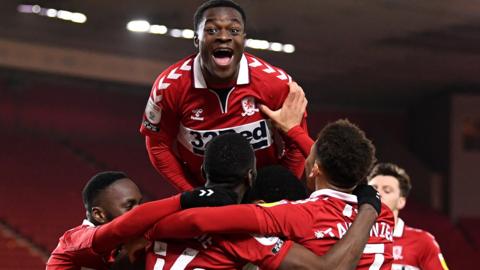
x=412, y=248
x=214, y=92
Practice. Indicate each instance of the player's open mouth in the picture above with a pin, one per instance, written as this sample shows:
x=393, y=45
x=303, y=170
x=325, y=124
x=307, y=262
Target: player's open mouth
x=222, y=56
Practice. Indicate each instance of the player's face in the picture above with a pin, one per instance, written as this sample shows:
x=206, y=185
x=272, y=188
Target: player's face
x=119, y=197
x=389, y=189
x=221, y=42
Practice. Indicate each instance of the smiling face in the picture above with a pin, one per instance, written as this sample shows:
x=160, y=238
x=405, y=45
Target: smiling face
x=220, y=39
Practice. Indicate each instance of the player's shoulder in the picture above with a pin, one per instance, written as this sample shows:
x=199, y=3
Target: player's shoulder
x=418, y=233
x=77, y=238
x=386, y=215
x=176, y=74
x=262, y=71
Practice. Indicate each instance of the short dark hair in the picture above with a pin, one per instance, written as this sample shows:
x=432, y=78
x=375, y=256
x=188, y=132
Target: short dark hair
x=228, y=158
x=97, y=184
x=275, y=183
x=213, y=4
x=345, y=153
x=390, y=169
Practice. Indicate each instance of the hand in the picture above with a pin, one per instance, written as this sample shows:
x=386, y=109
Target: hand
x=292, y=111
x=212, y=196
x=366, y=194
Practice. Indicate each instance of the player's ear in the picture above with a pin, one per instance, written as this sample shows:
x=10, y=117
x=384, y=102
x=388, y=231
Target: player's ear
x=204, y=174
x=315, y=170
x=98, y=215
x=252, y=175
x=195, y=40
x=402, y=201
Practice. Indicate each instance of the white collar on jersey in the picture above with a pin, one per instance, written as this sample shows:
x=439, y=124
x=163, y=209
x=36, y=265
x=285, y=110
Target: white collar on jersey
x=336, y=194
x=199, y=80
x=398, y=231
x=88, y=223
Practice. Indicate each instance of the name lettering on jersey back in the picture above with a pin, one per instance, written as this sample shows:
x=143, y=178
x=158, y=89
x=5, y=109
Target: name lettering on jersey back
x=258, y=133
x=379, y=230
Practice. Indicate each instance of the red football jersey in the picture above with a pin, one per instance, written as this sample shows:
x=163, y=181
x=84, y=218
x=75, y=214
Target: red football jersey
x=415, y=249
x=218, y=253
x=182, y=109
x=320, y=221
x=74, y=251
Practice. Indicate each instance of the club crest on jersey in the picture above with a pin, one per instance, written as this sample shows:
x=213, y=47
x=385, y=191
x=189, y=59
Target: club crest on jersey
x=397, y=253
x=248, y=105
x=197, y=115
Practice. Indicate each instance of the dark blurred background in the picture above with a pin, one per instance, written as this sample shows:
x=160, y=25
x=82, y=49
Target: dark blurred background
x=73, y=88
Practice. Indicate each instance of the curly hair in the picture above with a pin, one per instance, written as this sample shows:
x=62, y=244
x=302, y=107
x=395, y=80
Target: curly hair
x=390, y=169
x=345, y=153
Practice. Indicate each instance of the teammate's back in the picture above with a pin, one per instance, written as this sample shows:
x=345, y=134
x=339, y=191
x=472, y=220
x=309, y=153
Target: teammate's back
x=320, y=221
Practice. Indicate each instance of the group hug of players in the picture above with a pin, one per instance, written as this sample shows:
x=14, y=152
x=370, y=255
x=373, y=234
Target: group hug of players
x=229, y=131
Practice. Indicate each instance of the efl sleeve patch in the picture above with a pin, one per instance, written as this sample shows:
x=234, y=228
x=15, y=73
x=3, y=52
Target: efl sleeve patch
x=153, y=112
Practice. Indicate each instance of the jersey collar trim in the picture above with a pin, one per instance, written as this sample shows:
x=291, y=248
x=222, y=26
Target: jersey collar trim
x=399, y=227
x=88, y=223
x=336, y=194
x=199, y=81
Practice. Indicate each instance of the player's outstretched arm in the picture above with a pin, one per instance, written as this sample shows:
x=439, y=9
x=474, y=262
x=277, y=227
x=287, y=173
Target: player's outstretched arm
x=137, y=221
x=195, y=222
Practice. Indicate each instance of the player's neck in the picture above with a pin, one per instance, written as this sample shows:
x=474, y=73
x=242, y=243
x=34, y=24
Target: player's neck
x=395, y=216
x=215, y=82
x=322, y=183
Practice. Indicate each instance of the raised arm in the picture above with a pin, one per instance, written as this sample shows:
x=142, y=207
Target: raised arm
x=160, y=126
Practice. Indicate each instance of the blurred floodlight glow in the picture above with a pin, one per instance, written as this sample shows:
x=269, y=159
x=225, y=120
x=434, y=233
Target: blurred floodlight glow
x=65, y=15
x=158, y=29
x=36, y=9
x=176, y=33
x=276, y=47
x=138, y=26
x=258, y=44
x=288, y=48
x=78, y=18
x=51, y=12
x=188, y=33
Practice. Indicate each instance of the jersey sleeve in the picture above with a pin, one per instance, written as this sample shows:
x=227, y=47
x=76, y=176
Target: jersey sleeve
x=75, y=248
x=431, y=256
x=195, y=222
x=292, y=158
x=265, y=252
x=133, y=223
x=299, y=136
x=160, y=126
